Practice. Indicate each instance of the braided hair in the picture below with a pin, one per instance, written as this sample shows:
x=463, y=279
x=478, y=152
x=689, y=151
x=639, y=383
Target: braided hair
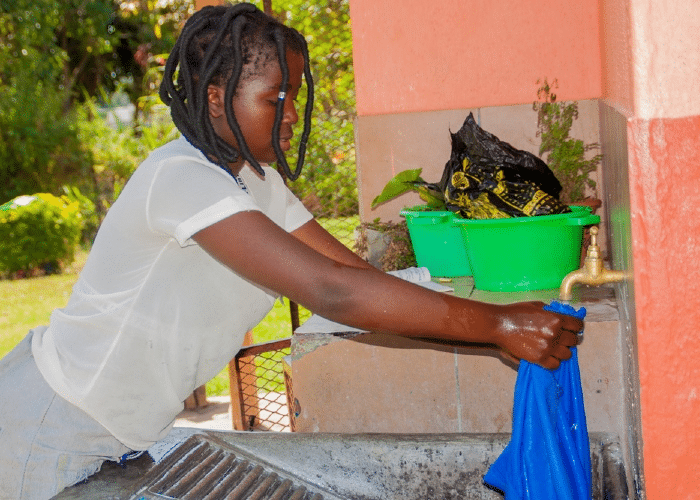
x=227, y=44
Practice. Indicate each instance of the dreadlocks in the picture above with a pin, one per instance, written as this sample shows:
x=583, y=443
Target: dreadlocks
x=225, y=45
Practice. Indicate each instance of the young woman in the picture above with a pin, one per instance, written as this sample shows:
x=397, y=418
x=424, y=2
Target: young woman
x=192, y=255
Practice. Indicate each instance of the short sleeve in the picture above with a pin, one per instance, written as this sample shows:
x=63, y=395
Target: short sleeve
x=297, y=215
x=187, y=196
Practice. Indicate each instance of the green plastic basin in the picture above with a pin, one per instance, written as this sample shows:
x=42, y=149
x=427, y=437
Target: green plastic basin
x=437, y=243
x=524, y=253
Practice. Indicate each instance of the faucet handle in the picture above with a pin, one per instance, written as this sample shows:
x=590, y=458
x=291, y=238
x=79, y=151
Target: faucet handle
x=594, y=235
x=593, y=251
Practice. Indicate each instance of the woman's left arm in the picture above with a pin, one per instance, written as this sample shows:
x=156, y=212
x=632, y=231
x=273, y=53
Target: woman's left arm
x=315, y=236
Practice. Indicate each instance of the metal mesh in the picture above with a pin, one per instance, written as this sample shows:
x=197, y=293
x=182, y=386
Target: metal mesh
x=327, y=184
x=258, y=388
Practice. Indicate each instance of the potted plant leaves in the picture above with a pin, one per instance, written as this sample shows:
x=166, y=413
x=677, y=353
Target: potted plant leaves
x=567, y=157
x=437, y=244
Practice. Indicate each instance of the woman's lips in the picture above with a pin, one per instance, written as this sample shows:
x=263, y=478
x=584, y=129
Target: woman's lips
x=285, y=143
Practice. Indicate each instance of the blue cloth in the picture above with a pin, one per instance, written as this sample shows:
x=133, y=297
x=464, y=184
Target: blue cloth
x=548, y=456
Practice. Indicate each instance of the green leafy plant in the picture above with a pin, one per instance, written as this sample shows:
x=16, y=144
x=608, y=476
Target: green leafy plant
x=38, y=233
x=53, y=55
x=407, y=181
x=565, y=155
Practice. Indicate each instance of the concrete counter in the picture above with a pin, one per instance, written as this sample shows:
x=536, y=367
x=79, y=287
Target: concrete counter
x=352, y=382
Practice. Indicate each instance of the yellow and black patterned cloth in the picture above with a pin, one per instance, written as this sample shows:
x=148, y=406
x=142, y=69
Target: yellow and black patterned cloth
x=487, y=178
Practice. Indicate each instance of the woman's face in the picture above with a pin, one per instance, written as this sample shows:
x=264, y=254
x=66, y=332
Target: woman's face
x=254, y=107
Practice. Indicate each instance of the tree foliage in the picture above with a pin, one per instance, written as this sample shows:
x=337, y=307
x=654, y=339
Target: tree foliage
x=54, y=53
x=27, y=40
x=87, y=45
x=145, y=32
x=60, y=57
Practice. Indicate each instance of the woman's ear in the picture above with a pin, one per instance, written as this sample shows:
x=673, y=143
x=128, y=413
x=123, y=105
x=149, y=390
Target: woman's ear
x=215, y=98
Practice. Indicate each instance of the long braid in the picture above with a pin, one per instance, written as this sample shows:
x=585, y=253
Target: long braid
x=221, y=30
x=308, y=110
x=177, y=98
x=279, y=111
x=220, y=147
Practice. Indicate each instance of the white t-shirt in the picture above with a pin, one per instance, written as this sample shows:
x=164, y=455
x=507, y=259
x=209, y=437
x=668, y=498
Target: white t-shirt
x=152, y=316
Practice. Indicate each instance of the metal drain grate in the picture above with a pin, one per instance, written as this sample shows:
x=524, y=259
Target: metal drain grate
x=202, y=470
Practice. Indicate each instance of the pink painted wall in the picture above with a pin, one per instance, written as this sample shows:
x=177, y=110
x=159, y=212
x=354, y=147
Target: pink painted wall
x=414, y=55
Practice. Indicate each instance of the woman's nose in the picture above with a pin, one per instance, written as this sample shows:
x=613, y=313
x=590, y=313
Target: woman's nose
x=290, y=111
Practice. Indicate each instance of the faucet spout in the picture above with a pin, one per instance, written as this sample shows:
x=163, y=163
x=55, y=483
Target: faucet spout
x=592, y=272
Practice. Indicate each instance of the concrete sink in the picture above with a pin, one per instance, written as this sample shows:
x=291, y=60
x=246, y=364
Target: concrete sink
x=285, y=466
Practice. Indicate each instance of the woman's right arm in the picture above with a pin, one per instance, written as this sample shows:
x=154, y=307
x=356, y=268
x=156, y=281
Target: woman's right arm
x=254, y=247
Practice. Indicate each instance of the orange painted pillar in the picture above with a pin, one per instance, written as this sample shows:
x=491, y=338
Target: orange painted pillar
x=665, y=212
x=664, y=174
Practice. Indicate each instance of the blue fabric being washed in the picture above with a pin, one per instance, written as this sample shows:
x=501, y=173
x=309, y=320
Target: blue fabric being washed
x=548, y=456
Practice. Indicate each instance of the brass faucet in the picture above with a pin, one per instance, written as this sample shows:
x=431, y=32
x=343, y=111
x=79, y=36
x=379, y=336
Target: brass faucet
x=592, y=272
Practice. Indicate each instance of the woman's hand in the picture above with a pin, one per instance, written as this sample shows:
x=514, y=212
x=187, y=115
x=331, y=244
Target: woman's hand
x=526, y=331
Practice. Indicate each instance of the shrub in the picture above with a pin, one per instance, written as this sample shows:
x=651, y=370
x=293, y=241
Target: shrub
x=327, y=184
x=38, y=233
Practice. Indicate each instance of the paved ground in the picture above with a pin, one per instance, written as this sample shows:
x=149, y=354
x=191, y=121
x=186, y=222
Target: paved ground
x=215, y=416
x=272, y=414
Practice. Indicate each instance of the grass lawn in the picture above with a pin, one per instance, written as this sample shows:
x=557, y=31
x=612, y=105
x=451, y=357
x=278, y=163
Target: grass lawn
x=28, y=303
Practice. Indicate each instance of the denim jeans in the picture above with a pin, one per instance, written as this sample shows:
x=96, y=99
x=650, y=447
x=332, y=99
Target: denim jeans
x=46, y=443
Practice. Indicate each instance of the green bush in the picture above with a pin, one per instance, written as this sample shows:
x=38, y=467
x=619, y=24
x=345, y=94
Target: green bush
x=38, y=233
